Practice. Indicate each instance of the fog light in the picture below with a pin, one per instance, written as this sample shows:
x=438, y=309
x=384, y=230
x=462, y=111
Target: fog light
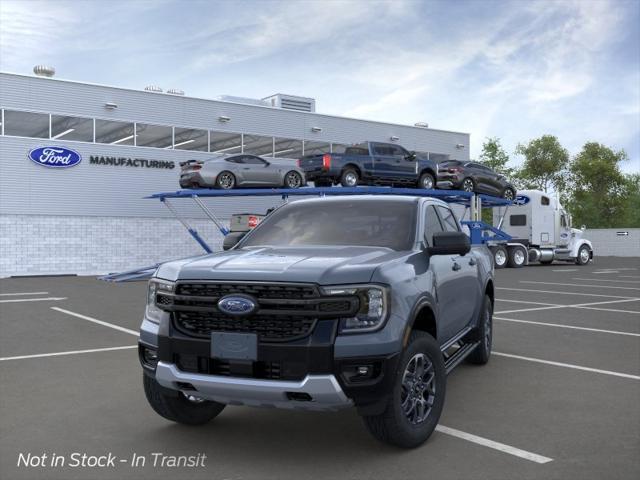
x=150, y=357
x=363, y=370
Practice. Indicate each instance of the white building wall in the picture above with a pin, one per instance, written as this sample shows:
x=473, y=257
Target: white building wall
x=613, y=242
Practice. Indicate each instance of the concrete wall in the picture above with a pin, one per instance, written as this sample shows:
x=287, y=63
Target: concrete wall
x=608, y=242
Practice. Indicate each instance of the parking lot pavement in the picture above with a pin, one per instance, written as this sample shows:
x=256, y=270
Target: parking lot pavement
x=560, y=395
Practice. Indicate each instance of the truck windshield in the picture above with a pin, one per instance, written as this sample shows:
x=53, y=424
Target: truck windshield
x=371, y=222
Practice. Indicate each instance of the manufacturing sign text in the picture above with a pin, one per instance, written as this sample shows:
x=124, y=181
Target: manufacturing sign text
x=55, y=157
x=130, y=162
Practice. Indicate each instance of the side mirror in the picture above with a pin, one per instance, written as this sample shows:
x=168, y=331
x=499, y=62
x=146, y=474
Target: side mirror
x=449, y=243
x=231, y=239
x=411, y=157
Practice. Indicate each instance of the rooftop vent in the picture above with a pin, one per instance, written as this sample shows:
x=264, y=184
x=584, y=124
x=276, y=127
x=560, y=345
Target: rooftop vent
x=153, y=88
x=245, y=100
x=421, y=124
x=175, y=91
x=292, y=102
x=44, y=71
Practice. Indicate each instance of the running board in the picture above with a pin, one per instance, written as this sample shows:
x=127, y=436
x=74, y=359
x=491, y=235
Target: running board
x=459, y=355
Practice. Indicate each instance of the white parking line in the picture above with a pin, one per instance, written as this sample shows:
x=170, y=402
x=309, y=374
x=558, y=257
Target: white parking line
x=22, y=293
x=526, y=301
x=563, y=293
x=47, y=299
x=485, y=442
x=566, y=270
x=629, y=276
x=577, y=305
x=72, y=352
x=580, y=285
x=95, y=320
x=607, y=280
x=568, y=365
x=597, y=330
x=606, y=271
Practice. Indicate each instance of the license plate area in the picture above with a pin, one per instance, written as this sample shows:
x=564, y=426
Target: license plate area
x=234, y=346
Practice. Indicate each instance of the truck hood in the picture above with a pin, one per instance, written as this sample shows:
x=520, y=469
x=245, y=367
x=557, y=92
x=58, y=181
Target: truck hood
x=321, y=265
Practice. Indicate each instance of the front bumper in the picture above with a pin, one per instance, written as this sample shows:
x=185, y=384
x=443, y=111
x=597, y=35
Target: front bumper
x=314, y=392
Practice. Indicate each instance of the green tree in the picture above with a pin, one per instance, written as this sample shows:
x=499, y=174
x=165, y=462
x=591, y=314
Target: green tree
x=598, y=193
x=545, y=164
x=495, y=157
x=630, y=216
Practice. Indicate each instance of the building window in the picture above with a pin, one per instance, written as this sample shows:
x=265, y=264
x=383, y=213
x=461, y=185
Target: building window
x=225, y=143
x=26, y=124
x=316, y=148
x=157, y=136
x=71, y=128
x=258, y=145
x=287, y=148
x=115, y=133
x=191, y=139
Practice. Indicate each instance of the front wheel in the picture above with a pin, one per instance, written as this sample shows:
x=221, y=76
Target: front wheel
x=417, y=398
x=178, y=407
x=293, y=179
x=468, y=185
x=508, y=194
x=426, y=181
x=584, y=255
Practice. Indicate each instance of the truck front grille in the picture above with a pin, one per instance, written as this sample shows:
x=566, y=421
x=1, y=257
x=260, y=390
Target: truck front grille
x=284, y=311
x=273, y=329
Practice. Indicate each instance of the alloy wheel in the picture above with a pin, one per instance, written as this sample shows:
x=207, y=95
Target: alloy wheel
x=467, y=185
x=226, y=181
x=418, y=391
x=293, y=180
x=427, y=182
x=351, y=179
x=508, y=194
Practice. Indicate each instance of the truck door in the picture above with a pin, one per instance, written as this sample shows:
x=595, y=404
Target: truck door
x=467, y=287
x=565, y=229
x=391, y=163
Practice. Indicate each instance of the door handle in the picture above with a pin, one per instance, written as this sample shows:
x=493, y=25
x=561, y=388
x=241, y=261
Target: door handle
x=456, y=266
x=472, y=261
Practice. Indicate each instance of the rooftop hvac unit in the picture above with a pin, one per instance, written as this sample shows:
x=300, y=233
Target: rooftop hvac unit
x=292, y=102
x=175, y=91
x=153, y=88
x=44, y=71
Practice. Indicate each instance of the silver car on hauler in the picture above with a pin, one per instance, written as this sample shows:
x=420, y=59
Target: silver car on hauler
x=243, y=170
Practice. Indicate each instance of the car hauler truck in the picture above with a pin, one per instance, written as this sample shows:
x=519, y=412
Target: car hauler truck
x=540, y=231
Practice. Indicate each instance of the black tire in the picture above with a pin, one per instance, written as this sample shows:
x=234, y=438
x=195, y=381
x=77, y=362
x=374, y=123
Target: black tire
x=484, y=334
x=468, y=185
x=178, y=408
x=584, y=255
x=225, y=180
x=427, y=181
x=500, y=256
x=293, y=179
x=348, y=176
x=395, y=427
x=517, y=257
x=509, y=194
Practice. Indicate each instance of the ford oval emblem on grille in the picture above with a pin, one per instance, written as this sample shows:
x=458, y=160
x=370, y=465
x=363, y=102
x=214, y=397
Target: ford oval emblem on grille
x=237, y=305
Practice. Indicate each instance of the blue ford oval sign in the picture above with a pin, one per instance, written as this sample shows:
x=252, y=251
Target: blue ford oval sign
x=55, y=157
x=236, y=305
x=521, y=200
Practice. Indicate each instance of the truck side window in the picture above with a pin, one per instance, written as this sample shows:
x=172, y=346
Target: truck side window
x=544, y=200
x=518, y=220
x=431, y=224
x=448, y=220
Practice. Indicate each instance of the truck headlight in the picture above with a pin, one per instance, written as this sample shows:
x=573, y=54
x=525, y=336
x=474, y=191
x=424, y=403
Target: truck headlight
x=153, y=312
x=374, y=301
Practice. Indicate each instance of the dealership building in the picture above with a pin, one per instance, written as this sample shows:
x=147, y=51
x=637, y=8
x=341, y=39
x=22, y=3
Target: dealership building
x=91, y=217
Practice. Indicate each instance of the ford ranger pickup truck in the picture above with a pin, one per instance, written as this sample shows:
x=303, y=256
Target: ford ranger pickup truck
x=365, y=301
x=371, y=163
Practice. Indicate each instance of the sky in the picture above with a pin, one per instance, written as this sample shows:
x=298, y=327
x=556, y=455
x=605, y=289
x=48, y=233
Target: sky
x=509, y=69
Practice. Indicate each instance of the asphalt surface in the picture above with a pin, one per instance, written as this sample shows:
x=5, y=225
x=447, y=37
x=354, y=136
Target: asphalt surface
x=561, y=402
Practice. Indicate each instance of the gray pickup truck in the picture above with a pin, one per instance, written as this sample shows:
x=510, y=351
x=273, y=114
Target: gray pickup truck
x=365, y=301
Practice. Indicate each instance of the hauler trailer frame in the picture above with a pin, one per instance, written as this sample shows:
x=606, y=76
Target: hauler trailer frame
x=479, y=231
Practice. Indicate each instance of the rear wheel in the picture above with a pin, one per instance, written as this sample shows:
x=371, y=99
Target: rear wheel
x=178, y=407
x=517, y=257
x=426, y=181
x=468, y=185
x=500, y=256
x=225, y=180
x=584, y=255
x=417, y=398
x=293, y=179
x=349, y=178
x=508, y=194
